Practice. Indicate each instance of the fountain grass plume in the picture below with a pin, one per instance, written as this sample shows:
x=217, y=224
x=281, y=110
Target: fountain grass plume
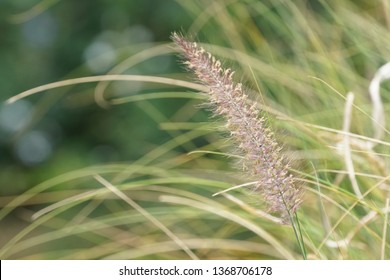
x=261, y=154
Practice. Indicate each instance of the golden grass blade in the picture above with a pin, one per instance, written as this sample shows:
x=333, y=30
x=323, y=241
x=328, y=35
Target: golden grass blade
x=147, y=215
x=92, y=79
x=346, y=145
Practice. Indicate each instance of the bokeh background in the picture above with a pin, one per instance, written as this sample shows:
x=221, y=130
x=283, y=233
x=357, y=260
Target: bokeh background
x=47, y=41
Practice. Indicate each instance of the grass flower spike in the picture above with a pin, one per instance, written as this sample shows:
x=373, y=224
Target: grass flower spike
x=261, y=154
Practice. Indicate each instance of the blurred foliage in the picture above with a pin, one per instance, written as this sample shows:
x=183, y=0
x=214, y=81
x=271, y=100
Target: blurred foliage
x=48, y=41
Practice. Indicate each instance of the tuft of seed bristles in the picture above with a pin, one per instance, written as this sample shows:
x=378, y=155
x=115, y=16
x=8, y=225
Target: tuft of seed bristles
x=262, y=157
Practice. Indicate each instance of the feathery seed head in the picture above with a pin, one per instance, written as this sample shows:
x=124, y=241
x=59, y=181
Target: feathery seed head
x=262, y=156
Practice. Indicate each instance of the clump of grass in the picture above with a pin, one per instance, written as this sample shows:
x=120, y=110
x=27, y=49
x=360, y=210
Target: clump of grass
x=305, y=72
